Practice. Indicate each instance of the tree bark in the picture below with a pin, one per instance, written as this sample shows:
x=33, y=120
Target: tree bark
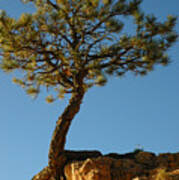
x=62, y=126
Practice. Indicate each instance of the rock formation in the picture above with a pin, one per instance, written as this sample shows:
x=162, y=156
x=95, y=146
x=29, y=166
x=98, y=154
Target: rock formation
x=138, y=165
x=92, y=165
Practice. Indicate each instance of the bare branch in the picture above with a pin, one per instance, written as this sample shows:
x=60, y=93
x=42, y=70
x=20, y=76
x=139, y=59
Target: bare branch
x=114, y=61
x=109, y=55
x=53, y=5
x=91, y=46
x=65, y=38
x=101, y=22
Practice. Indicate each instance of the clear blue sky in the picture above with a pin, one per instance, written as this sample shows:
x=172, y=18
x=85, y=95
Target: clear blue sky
x=114, y=118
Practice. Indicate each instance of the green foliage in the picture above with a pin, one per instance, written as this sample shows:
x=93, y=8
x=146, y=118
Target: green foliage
x=49, y=99
x=65, y=39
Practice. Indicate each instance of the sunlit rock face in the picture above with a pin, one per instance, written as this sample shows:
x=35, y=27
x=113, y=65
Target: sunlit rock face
x=95, y=169
x=138, y=165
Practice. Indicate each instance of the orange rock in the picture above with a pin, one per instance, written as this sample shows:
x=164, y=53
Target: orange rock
x=131, y=166
x=90, y=169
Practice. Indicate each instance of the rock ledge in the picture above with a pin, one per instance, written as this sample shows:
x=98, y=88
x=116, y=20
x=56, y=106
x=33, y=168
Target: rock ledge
x=138, y=165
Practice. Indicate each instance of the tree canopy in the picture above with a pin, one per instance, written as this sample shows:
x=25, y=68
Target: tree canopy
x=65, y=38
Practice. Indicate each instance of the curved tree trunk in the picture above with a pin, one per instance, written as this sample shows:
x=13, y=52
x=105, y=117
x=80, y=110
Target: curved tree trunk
x=56, y=157
x=62, y=126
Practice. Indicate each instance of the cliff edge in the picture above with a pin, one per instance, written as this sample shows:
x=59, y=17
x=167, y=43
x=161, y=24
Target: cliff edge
x=138, y=165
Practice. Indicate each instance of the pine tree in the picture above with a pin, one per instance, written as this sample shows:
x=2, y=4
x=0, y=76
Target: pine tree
x=73, y=45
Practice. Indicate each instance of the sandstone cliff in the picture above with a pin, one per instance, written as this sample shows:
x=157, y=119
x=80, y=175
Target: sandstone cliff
x=138, y=165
